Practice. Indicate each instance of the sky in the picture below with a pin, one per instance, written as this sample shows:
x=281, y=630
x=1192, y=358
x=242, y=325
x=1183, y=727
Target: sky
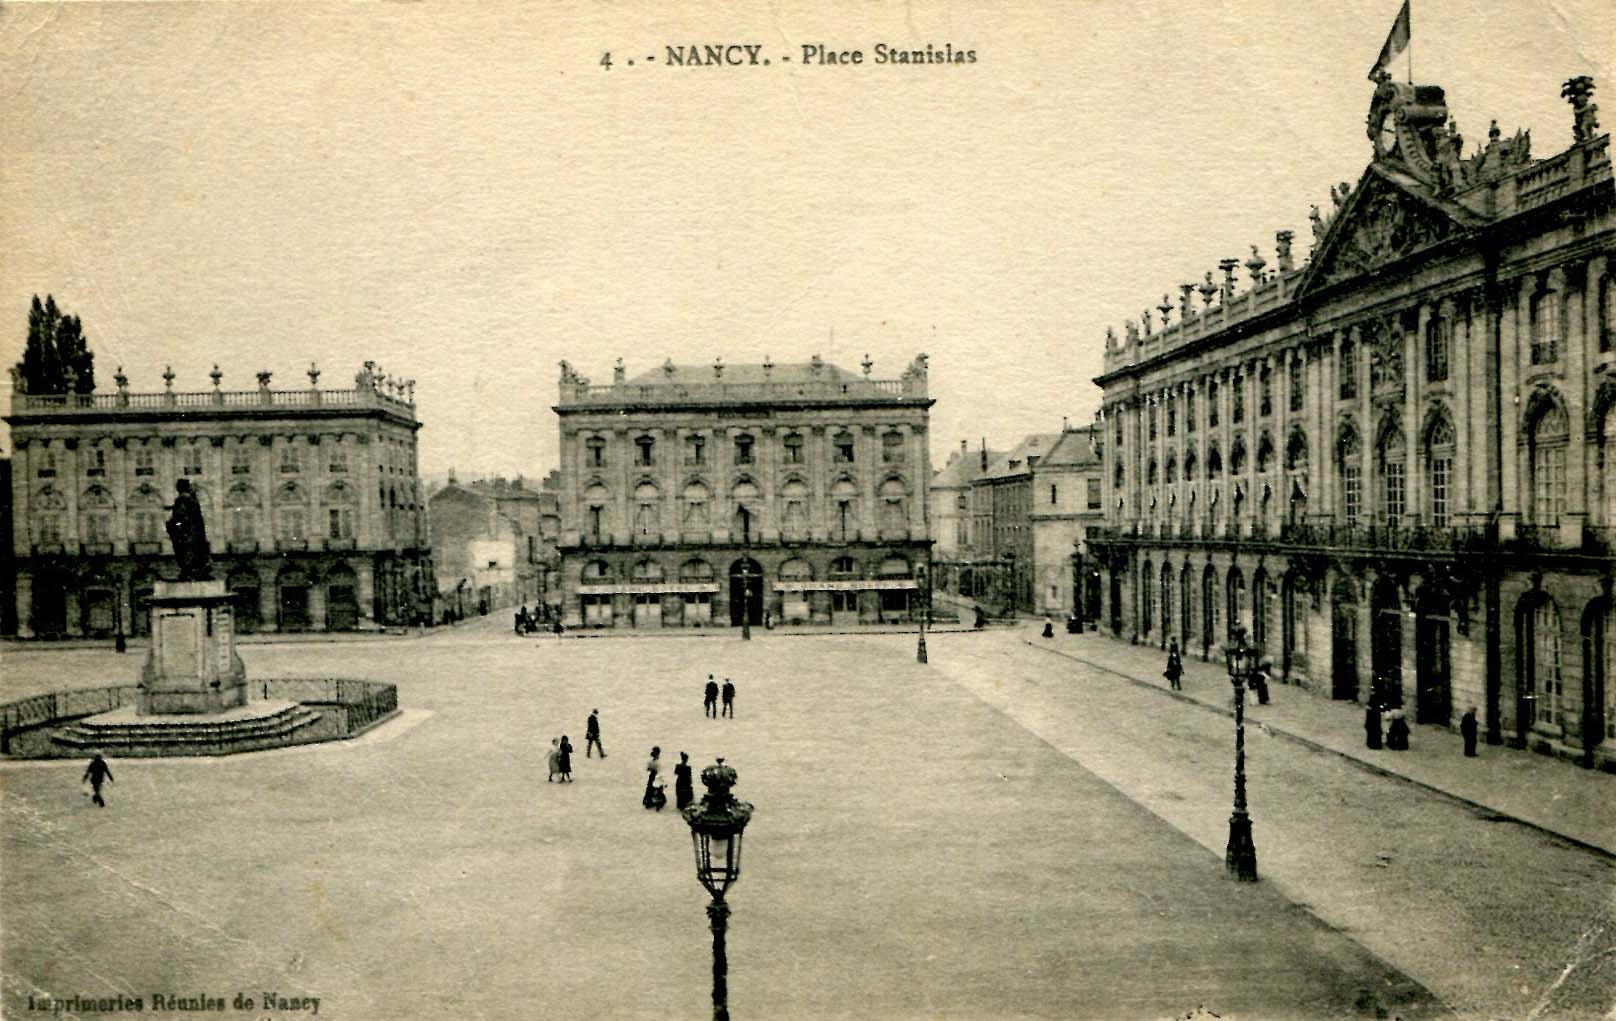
x=463, y=194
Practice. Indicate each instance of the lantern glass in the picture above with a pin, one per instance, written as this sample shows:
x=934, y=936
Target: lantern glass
x=718, y=860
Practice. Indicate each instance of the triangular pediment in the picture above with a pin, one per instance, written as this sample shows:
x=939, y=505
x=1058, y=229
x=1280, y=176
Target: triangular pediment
x=1389, y=216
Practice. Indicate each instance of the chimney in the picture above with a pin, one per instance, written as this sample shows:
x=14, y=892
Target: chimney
x=984, y=453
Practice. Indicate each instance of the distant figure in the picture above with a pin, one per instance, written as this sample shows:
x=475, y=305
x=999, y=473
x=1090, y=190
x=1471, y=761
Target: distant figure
x=1175, y=666
x=97, y=774
x=709, y=698
x=554, y=759
x=558, y=629
x=981, y=619
x=520, y=620
x=683, y=791
x=592, y=735
x=1073, y=625
x=188, y=535
x=564, y=761
x=768, y=620
x=729, y=698
x=1467, y=730
x=1259, y=681
x=1397, y=732
x=655, y=796
x=1371, y=726
x=1049, y=628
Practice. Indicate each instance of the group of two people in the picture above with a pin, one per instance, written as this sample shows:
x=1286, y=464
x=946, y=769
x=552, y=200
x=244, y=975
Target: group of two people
x=561, y=749
x=1378, y=718
x=656, y=795
x=711, y=695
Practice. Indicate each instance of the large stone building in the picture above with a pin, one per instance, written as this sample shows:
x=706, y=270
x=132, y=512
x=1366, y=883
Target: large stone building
x=1067, y=502
x=494, y=543
x=310, y=498
x=1001, y=502
x=1392, y=464
x=692, y=495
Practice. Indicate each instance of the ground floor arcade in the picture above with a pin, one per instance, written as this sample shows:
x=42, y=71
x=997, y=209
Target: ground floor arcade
x=1530, y=644
x=707, y=587
x=103, y=597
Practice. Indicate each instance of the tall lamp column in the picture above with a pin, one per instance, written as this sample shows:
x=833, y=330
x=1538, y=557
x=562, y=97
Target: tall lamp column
x=716, y=825
x=925, y=612
x=1240, y=858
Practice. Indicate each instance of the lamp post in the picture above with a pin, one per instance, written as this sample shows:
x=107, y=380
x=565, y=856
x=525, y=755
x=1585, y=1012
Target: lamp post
x=715, y=831
x=925, y=612
x=1241, y=856
x=1010, y=582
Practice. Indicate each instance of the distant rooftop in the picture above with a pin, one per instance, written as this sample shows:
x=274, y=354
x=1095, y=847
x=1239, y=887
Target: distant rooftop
x=762, y=383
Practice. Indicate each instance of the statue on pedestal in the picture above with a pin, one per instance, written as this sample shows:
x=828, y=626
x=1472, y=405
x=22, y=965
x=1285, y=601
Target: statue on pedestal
x=188, y=534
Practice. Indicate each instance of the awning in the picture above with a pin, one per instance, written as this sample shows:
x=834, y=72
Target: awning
x=844, y=586
x=648, y=587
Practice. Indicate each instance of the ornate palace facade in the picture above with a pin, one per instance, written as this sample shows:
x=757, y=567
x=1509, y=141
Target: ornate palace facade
x=1392, y=464
x=310, y=497
x=693, y=495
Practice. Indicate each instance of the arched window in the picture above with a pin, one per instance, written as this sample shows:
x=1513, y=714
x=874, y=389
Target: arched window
x=647, y=511
x=597, y=572
x=1439, y=450
x=696, y=499
x=339, y=510
x=1172, y=469
x=1546, y=322
x=596, y=499
x=1237, y=598
x=1150, y=473
x=1265, y=454
x=1212, y=403
x=1147, y=582
x=1237, y=457
x=241, y=505
x=95, y=508
x=796, y=569
x=748, y=518
x=696, y=570
x=843, y=444
x=49, y=511
x=291, y=513
x=1189, y=409
x=794, y=503
x=1349, y=456
x=648, y=570
x=1390, y=460
x=1190, y=464
x=1607, y=313
x=1550, y=435
x=844, y=509
x=894, y=509
x=1347, y=368
x=1214, y=462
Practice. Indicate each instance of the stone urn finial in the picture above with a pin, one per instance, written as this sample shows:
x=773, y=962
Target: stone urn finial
x=1185, y=302
x=868, y=364
x=120, y=379
x=314, y=376
x=718, y=366
x=216, y=376
x=264, y=376
x=668, y=368
x=1228, y=267
x=816, y=364
x=1208, y=289
x=1282, y=244
x=1166, y=310
x=1254, y=266
x=168, y=377
x=768, y=367
x=619, y=373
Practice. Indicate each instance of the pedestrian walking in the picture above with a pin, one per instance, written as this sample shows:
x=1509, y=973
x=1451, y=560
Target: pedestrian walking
x=1175, y=666
x=1397, y=732
x=1371, y=726
x=96, y=774
x=655, y=796
x=683, y=791
x=592, y=735
x=553, y=760
x=729, y=698
x=1467, y=730
x=709, y=698
x=564, y=759
x=1049, y=628
x=1259, y=681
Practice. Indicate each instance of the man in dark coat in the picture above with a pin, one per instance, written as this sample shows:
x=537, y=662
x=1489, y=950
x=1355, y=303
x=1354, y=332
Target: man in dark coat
x=1467, y=730
x=187, y=534
x=97, y=774
x=1175, y=666
x=729, y=698
x=1371, y=726
x=709, y=698
x=592, y=735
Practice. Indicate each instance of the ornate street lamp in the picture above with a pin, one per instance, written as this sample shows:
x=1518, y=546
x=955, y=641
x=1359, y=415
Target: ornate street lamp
x=1241, y=856
x=925, y=611
x=715, y=831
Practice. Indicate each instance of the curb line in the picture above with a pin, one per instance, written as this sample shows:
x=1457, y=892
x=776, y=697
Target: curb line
x=1368, y=767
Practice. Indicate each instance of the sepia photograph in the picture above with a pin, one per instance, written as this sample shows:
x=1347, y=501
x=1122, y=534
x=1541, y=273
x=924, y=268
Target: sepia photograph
x=1111, y=504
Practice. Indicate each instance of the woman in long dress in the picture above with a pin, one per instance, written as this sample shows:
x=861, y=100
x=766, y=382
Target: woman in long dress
x=554, y=759
x=564, y=759
x=684, y=791
x=654, y=796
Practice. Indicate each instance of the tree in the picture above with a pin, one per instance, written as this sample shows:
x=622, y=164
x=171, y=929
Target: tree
x=56, y=352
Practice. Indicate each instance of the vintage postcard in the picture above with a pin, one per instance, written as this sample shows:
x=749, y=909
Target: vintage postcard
x=1112, y=505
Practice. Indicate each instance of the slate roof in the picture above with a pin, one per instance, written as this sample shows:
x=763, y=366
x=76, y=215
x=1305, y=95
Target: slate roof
x=1036, y=444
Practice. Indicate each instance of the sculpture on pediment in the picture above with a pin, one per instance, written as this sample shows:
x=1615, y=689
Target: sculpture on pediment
x=1384, y=343
x=1579, y=92
x=1386, y=226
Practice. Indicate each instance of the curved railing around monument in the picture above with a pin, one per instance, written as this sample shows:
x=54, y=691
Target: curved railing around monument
x=358, y=704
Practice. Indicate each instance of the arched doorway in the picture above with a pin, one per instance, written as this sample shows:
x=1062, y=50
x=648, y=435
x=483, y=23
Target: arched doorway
x=1186, y=607
x=1287, y=624
x=1166, y=603
x=647, y=575
x=49, y=607
x=1116, y=602
x=1433, y=699
x=244, y=599
x=1237, y=598
x=745, y=591
x=98, y=607
x=292, y=599
x=1386, y=644
x=1147, y=582
x=1259, y=611
x=1344, y=640
x=1209, y=609
x=341, y=599
x=1537, y=665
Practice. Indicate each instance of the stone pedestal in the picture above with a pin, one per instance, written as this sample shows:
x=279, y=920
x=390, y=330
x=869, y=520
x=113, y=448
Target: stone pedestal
x=193, y=666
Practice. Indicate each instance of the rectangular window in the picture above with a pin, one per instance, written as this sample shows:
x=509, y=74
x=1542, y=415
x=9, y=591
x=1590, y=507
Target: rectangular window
x=1549, y=485
x=241, y=461
x=145, y=462
x=47, y=465
x=844, y=449
x=793, y=450
x=1266, y=401
x=289, y=522
x=243, y=526
x=339, y=460
x=1189, y=411
x=695, y=450
x=291, y=460
x=1150, y=419
x=98, y=527
x=96, y=465
x=743, y=450
x=191, y=460
x=1352, y=488
x=1437, y=334
x=1348, y=368
x=147, y=526
x=1545, y=328
x=1094, y=494
x=1395, y=493
x=1212, y=411
x=1441, y=468
x=1237, y=399
x=1296, y=385
x=50, y=527
x=340, y=522
x=1172, y=418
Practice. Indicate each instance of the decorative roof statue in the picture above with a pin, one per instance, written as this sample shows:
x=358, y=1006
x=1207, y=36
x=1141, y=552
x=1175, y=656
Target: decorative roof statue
x=1208, y=289
x=1144, y=321
x=1110, y=339
x=1185, y=302
x=1254, y=266
x=816, y=364
x=188, y=535
x=216, y=376
x=1282, y=243
x=868, y=364
x=668, y=369
x=1579, y=92
x=1318, y=224
x=619, y=373
x=1166, y=310
x=314, y=376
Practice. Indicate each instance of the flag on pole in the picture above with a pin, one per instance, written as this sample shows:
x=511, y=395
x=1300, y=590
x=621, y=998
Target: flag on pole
x=1396, y=43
